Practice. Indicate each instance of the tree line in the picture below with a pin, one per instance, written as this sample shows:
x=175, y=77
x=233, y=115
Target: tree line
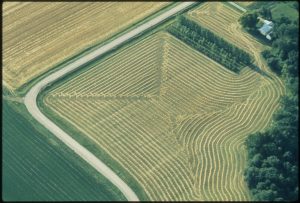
x=210, y=44
x=272, y=172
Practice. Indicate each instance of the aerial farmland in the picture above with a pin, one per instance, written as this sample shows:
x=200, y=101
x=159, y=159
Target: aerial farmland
x=58, y=30
x=157, y=101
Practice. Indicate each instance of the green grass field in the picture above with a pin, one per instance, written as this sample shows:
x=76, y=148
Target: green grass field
x=39, y=167
x=284, y=9
x=278, y=9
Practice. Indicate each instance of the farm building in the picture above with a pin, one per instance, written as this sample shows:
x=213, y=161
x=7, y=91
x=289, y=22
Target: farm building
x=267, y=29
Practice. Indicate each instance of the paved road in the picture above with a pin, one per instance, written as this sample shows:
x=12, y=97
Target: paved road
x=31, y=100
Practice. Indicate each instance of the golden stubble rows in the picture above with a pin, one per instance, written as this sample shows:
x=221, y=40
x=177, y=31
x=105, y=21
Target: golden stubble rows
x=221, y=19
x=39, y=35
x=172, y=117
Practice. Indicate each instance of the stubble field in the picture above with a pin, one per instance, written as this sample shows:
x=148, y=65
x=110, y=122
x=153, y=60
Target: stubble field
x=172, y=117
x=39, y=35
x=223, y=21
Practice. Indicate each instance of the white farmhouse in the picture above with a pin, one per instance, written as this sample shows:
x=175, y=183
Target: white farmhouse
x=267, y=29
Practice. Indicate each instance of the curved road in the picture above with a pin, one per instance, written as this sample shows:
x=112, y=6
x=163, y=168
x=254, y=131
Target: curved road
x=31, y=100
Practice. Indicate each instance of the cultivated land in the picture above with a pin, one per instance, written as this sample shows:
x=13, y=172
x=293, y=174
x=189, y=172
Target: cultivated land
x=244, y=3
x=37, y=166
x=58, y=30
x=32, y=106
x=172, y=117
x=223, y=21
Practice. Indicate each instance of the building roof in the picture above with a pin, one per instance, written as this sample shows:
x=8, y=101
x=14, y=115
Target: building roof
x=270, y=23
x=268, y=36
x=266, y=28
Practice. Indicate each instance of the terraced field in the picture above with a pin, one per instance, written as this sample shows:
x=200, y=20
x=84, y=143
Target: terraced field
x=39, y=35
x=172, y=117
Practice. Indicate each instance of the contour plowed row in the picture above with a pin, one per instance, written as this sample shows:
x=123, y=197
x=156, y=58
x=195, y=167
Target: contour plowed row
x=184, y=143
x=218, y=17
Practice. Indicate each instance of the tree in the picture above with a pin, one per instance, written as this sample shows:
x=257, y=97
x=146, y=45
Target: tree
x=273, y=63
x=268, y=195
x=249, y=21
x=265, y=12
x=273, y=155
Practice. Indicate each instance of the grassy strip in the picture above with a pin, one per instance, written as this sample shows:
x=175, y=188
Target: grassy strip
x=24, y=137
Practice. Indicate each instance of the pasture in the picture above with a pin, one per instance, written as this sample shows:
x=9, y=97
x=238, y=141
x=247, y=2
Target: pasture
x=173, y=118
x=286, y=9
x=39, y=35
x=38, y=167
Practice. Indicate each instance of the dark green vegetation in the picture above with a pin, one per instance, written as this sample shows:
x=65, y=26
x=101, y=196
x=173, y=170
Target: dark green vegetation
x=37, y=166
x=278, y=9
x=272, y=172
x=278, y=12
x=210, y=44
x=283, y=57
x=249, y=21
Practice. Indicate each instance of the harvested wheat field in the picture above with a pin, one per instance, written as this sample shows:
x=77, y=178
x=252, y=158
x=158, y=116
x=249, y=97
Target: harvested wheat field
x=39, y=35
x=172, y=117
x=223, y=21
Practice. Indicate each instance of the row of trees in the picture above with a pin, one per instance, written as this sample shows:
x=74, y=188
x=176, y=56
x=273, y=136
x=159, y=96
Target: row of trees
x=210, y=44
x=272, y=172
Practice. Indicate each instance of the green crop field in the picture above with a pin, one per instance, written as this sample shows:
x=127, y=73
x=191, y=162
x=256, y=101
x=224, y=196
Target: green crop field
x=39, y=167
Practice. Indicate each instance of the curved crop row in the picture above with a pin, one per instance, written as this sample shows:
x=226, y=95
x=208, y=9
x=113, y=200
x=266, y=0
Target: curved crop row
x=186, y=143
x=218, y=17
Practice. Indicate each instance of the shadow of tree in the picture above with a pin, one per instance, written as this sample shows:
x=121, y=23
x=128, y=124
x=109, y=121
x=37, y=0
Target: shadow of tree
x=258, y=70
